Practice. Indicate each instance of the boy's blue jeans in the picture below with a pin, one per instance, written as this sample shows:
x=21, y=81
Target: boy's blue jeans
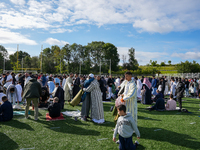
x=126, y=143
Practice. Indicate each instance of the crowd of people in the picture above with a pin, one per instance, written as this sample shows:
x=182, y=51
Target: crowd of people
x=39, y=89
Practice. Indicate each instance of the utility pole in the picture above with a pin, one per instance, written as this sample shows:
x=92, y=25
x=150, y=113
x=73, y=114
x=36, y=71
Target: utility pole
x=110, y=67
x=22, y=65
x=60, y=65
x=4, y=64
x=80, y=69
x=100, y=68
x=41, y=57
x=17, y=55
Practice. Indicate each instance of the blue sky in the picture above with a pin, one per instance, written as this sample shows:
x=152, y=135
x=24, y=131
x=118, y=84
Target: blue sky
x=158, y=30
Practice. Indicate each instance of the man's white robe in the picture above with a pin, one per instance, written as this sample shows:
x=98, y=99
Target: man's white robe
x=130, y=97
x=139, y=87
x=19, y=92
x=68, y=88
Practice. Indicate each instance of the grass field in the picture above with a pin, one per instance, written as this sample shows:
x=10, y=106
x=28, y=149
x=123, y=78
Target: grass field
x=177, y=132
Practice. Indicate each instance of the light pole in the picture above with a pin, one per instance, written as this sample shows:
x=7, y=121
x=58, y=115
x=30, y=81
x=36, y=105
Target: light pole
x=4, y=64
x=109, y=66
x=80, y=69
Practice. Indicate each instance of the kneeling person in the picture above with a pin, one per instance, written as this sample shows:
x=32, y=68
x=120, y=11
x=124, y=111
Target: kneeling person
x=125, y=127
x=6, y=110
x=55, y=108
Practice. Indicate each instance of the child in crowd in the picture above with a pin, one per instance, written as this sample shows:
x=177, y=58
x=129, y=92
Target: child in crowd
x=6, y=110
x=171, y=104
x=55, y=108
x=125, y=127
x=1, y=95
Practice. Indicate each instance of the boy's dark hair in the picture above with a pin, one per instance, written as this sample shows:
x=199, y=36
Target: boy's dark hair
x=128, y=73
x=122, y=107
x=4, y=98
x=12, y=89
x=57, y=84
x=19, y=82
x=171, y=96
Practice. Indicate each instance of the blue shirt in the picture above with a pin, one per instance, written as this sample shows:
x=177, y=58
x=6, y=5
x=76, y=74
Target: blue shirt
x=154, y=83
x=57, y=81
x=51, y=86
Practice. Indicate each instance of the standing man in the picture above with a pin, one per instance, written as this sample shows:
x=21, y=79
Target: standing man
x=68, y=88
x=162, y=86
x=139, y=87
x=76, y=85
x=9, y=79
x=179, y=92
x=27, y=78
x=110, y=83
x=97, y=113
x=32, y=92
x=63, y=81
x=173, y=88
x=130, y=95
x=154, y=85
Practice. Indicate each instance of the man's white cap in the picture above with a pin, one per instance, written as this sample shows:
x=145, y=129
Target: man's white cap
x=91, y=75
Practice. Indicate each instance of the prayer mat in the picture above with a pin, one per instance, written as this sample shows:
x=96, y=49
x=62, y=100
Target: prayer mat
x=20, y=113
x=72, y=113
x=48, y=118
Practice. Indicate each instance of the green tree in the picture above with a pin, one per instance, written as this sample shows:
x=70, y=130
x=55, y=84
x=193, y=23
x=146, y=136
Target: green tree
x=169, y=62
x=162, y=64
x=188, y=67
x=133, y=63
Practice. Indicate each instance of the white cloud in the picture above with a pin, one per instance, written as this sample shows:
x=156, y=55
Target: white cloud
x=146, y=16
x=142, y=57
x=187, y=55
x=8, y=37
x=52, y=41
x=18, y=2
x=61, y=30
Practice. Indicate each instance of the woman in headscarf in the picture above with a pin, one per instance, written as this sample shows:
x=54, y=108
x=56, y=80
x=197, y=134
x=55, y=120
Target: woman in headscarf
x=147, y=95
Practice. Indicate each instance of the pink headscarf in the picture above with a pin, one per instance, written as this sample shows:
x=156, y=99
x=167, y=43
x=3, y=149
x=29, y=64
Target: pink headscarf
x=146, y=81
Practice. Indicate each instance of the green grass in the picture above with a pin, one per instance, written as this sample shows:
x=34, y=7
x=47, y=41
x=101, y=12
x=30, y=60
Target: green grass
x=177, y=133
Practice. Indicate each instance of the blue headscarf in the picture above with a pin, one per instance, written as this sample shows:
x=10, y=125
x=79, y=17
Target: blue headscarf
x=85, y=85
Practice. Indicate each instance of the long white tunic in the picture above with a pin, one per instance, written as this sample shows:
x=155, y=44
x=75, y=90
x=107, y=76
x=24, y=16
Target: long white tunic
x=68, y=88
x=130, y=97
x=139, y=87
x=173, y=88
x=19, y=92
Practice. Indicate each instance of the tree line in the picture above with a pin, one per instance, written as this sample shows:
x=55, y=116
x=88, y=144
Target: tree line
x=88, y=58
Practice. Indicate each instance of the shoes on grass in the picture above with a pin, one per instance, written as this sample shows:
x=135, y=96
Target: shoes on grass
x=136, y=143
x=117, y=142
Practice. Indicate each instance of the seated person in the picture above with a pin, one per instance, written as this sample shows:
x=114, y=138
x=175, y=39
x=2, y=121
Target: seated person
x=44, y=98
x=6, y=110
x=160, y=105
x=171, y=104
x=158, y=95
x=12, y=94
x=1, y=95
x=55, y=108
x=59, y=92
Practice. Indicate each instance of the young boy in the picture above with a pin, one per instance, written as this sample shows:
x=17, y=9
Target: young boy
x=125, y=127
x=171, y=104
x=55, y=108
x=6, y=110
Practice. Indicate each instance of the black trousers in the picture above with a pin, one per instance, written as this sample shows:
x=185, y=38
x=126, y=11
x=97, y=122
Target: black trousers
x=180, y=102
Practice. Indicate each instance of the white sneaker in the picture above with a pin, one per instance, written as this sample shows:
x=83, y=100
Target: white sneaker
x=117, y=142
x=136, y=142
